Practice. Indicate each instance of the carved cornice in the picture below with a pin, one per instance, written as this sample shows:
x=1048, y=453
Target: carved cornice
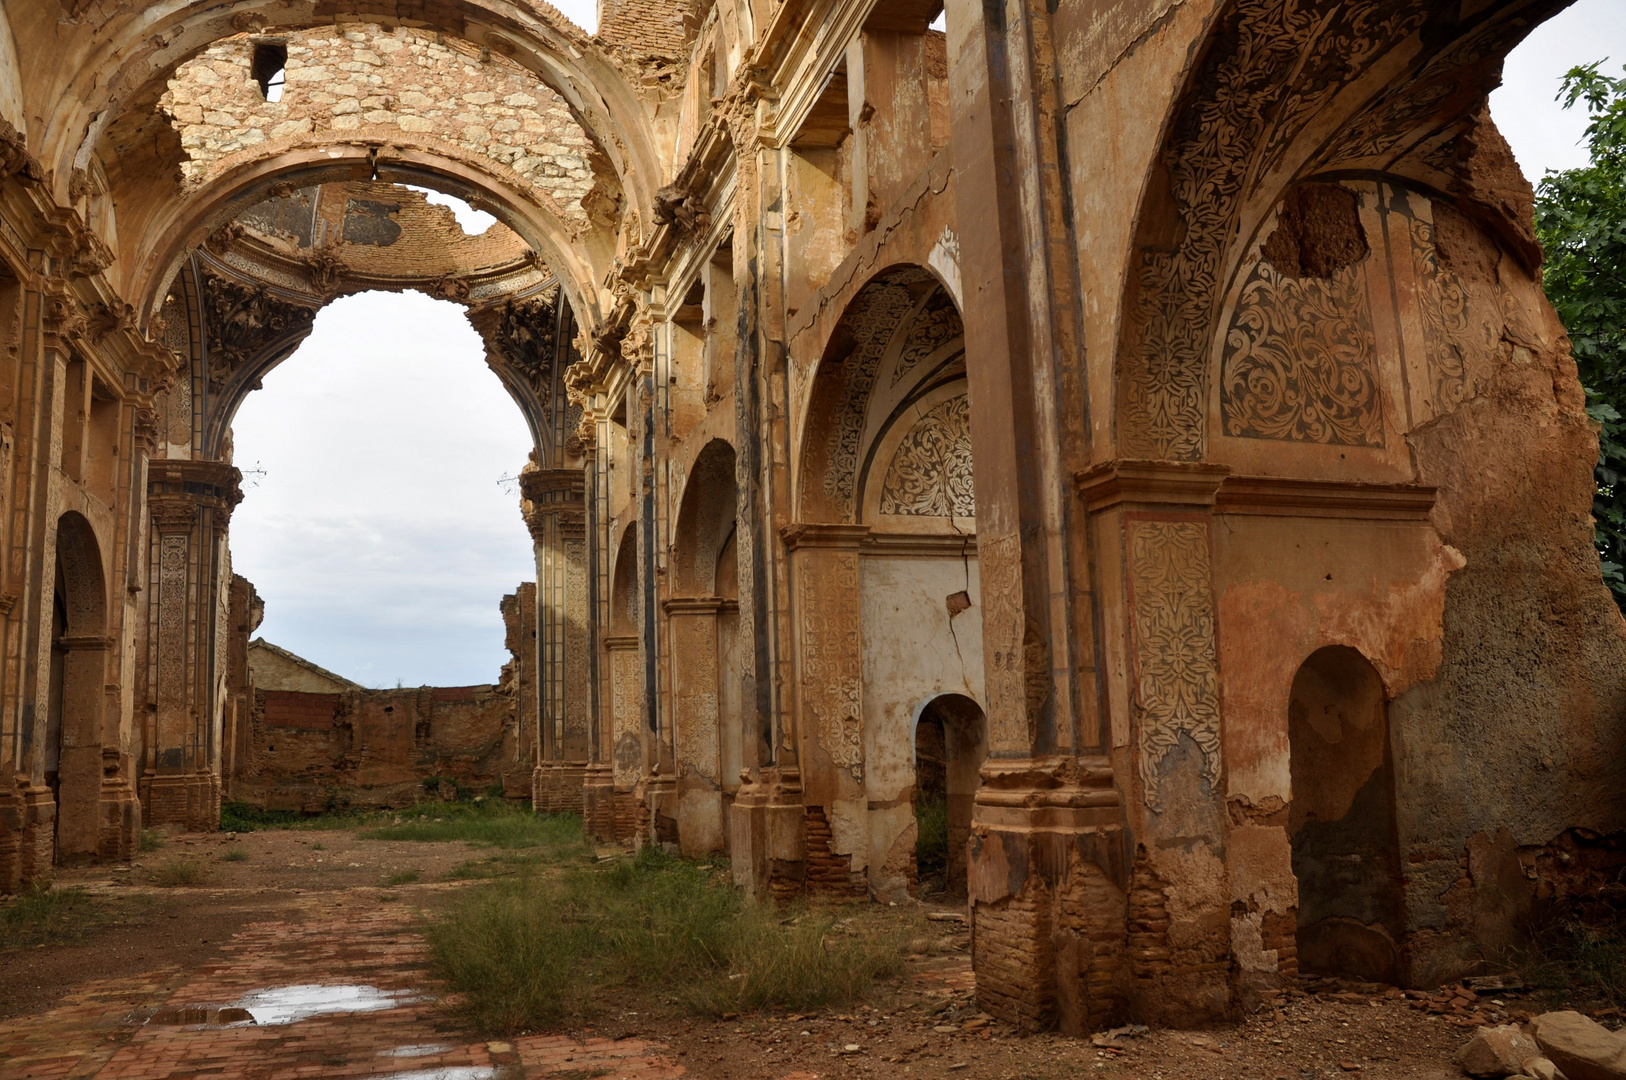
x=1132, y=482
x=552, y=486
x=1272, y=496
x=241, y=319
x=811, y=535
x=177, y=489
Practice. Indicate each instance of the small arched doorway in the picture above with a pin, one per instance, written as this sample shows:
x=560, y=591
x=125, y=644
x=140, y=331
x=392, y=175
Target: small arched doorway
x=951, y=740
x=78, y=677
x=1346, y=852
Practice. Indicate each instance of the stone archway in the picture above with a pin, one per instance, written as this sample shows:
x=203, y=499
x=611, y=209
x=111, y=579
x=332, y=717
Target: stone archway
x=78, y=696
x=884, y=569
x=950, y=743
x=1346, y=853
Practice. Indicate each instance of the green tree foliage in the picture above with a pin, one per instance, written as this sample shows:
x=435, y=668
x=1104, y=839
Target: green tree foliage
x=1581, y=220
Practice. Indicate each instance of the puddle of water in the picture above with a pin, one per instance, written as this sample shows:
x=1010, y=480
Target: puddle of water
x=418, y=1050
x=201, y=1015
x=288, y=1004
x=447, y=1072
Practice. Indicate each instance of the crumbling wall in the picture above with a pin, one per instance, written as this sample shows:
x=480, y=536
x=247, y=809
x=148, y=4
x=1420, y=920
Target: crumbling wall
x=381, y=748
x=390, y=84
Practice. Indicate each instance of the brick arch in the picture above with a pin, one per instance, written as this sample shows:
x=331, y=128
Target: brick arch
x=900, y=333
x=1279, y=94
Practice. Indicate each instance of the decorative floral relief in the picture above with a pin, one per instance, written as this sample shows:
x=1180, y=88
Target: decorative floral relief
x=1444, y=303
x=1177, y=679
x=1273, y=68
x=832, y=656
x=873, y=320
x=937, y=323
x=930, y=473
x=1298, y=362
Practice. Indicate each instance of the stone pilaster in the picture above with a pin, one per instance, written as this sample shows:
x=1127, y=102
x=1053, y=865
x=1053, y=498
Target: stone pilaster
x=190, y=504
x=555, y=514
x=1047, y=873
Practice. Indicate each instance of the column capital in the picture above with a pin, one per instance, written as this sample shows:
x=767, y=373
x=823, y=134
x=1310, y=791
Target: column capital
x=178, y=488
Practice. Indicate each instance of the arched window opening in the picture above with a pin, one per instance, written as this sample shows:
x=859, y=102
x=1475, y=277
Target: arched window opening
x=1346, y=852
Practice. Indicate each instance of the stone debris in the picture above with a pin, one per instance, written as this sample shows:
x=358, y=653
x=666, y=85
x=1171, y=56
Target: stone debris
x=1582, y=1048
x=1497, y=1051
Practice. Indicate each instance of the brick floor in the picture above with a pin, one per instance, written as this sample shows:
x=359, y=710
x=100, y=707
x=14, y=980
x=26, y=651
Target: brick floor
x=95, y=1033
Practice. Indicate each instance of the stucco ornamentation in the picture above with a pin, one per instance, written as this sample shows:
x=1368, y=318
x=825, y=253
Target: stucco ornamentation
x=1177, y=678
x=832, y=656
x=1276, y=66
x=930, y=474
x=873, y=320
x=1444, y=303
x=1298, y=362
x=243, y=319
x=938, y=323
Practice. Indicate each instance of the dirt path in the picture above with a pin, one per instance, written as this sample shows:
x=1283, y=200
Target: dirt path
x=304, y=936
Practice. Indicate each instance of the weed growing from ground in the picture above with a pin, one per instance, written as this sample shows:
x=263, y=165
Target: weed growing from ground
x=531, y=951
x=235, y=855
x=40, y=915
x=180, y=870
x=1570, y=960
x=494, y=823
x=403, y=877
x=150, y=840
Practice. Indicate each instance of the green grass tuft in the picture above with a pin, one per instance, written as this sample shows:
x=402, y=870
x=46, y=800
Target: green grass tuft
x=403, y=877
x=180, y=870
x=496, y=824
x=528, y=952
x=42, y=915
x=235, y=855
x=239, y=816
x=150, y=840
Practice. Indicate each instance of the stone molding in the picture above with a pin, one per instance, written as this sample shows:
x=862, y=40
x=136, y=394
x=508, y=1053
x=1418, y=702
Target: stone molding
x=1137, y=482
x=1281, y=497
x=177, y=489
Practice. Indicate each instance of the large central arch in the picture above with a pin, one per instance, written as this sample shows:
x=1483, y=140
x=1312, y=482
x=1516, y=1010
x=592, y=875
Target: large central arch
x=95, y=77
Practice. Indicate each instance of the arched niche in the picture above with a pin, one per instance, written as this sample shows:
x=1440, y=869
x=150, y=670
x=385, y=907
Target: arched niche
x=1341, y=823
x=899, y=341
x=626, y=695
x=79, y=659
x=1279, y=95
x=703, y=626
x=950, y=743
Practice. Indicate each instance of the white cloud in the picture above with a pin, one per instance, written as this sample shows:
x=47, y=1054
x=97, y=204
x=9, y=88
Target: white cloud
x=1542, y=134
x=379, y=535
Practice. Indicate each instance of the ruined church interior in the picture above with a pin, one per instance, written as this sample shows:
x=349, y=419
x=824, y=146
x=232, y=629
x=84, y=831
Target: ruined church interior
x=1133, y=429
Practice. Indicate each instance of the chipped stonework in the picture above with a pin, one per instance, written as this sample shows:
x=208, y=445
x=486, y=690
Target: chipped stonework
x=369, y=80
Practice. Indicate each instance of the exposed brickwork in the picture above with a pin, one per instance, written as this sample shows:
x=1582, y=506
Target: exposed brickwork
x=378, y=747
x=375, y=82
x=95, y=1033
x=826, y=871
x=1012, y=953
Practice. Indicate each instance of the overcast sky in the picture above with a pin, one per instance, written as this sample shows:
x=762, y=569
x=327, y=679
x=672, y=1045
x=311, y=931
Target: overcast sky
x=379, y=534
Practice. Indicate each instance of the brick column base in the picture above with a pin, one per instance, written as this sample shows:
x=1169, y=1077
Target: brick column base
x=27, y=835
x=188, y=800
x=1047, y=880
x=768, y=836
